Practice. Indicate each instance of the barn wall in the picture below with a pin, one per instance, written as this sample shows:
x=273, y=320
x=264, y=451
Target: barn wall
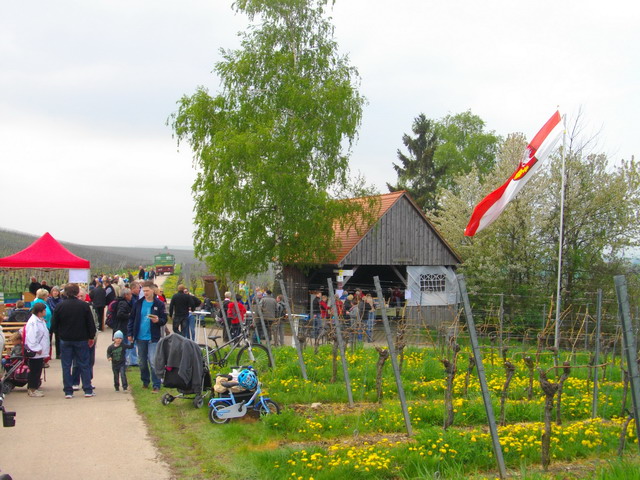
x=401, y=237
x=297, y=287
x=435, y=317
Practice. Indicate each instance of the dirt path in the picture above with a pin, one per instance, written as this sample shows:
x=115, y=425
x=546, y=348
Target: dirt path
x=98, y=438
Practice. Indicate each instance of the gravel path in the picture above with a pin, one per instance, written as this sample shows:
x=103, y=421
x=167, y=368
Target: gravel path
x=95, y=438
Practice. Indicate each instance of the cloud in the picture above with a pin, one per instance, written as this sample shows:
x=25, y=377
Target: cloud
x=95, y=188
x=86, y=89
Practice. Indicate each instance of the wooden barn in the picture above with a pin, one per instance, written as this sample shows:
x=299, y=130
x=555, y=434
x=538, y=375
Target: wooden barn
x=403, y=248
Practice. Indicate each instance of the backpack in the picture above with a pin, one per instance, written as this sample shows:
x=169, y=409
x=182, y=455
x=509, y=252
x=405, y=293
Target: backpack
x=112, y=309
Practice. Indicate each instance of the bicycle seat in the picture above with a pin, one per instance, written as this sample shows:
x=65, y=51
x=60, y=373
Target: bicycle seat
x=229, y=384
x=214, y=338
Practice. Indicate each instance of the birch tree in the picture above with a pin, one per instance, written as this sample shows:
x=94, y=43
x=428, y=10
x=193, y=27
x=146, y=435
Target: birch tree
x=274, y=142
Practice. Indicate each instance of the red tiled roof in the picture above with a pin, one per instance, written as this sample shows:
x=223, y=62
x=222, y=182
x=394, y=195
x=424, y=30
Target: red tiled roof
x=350, y=237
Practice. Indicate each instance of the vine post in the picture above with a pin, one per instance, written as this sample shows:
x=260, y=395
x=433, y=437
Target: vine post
x=630, y=346
x=343, y=356
x=294, y=332
x=265, y=331
x=596, y=360
x=486, y=396
x=394, y=360
x=224, y=314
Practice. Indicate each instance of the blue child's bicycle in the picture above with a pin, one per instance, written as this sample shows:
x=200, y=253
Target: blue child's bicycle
x=236, y=405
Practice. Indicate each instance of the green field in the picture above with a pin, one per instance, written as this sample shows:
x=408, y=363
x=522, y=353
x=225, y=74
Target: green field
x=333, y=440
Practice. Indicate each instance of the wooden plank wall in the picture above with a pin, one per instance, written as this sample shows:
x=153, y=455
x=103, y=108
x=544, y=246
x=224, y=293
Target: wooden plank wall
x=436, y=317
x=401, y=237
x=297, y=287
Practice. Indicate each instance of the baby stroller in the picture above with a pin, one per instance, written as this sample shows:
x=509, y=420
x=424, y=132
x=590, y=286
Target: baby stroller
x=181, y=365
x=16, y=370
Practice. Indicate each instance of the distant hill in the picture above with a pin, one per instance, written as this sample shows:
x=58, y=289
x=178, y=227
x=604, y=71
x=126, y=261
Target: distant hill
x=102, y=258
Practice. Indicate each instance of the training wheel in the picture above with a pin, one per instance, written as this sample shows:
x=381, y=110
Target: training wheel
x=167, y=399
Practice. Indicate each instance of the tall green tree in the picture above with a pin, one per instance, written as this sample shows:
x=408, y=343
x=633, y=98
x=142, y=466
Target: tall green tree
x=441, y=151
x=463, y=143
x=417, y=171
x=273, y=142
x=517, y=254
x=506, y=260
x=601, y=217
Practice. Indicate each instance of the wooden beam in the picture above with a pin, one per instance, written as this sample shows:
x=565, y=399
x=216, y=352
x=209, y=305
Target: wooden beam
x=346, y=279
x=397, y=272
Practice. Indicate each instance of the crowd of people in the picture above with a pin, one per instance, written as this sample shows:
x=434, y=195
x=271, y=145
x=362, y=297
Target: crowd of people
x=233, y=312
x=73, y=316
x=66, y=319
x=358, y=306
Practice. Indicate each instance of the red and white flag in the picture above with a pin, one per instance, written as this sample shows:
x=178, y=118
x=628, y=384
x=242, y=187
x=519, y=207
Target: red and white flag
x=493, y=204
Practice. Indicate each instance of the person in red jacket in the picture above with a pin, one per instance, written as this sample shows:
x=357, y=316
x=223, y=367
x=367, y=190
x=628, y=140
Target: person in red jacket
x=324, y=307
x=232, y=315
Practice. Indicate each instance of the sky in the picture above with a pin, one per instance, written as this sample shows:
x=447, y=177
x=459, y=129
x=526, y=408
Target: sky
x=86, y=88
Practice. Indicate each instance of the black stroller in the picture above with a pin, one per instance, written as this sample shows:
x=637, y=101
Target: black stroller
x=181, y=365
x=8, y=418
x=16, y=370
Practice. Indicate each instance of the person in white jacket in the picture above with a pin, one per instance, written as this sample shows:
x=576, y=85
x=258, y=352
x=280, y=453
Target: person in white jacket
x=37, y=340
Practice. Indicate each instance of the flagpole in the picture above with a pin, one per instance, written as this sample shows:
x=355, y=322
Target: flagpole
x=561, y=240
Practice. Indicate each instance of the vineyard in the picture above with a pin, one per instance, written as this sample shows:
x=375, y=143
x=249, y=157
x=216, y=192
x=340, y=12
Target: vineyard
x=549, y=411
x=104, y=259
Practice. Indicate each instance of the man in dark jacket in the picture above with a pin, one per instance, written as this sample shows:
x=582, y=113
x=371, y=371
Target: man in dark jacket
x=222, y=314
x=109, y=291
x=179, y=311
x=99, y=301
x=268, y=305
x=34, y=286
x=45, y=286
x=132, y=354
x=73, y=323
x=146, y=320
x=123, y=310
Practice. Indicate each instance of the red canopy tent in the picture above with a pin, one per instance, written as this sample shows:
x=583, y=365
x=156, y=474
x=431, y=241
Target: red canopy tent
x=45, y=253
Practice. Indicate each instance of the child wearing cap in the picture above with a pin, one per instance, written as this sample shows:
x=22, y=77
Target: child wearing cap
x=116, y=355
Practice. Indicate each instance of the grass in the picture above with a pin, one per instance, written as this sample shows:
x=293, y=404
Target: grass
x=170, y=285
x=195, y=448
x=368, y=441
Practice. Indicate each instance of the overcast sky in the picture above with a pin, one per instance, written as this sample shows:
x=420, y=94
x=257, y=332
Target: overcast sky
x=86, y=88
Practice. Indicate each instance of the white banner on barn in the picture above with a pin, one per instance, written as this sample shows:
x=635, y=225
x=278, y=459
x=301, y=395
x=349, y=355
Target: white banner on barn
x=431, y=285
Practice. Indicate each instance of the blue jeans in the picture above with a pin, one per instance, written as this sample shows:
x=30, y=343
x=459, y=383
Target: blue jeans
x=317, y=325
x=181, y=325
x=78, y=352
x=191, y=333
x=131, y=355
x=146, y=360
x=75, y=371
x=120, y=371
x=371, y=320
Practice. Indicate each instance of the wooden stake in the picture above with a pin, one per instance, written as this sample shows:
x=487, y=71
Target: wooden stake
x=486, y=397
x=394, y=361
x=343, y=356
x=224, y=314
x=596, y=360
x=294, y=333
x=630, y=347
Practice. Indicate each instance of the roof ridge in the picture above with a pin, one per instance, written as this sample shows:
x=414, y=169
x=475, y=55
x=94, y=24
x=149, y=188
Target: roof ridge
x=398, y=192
